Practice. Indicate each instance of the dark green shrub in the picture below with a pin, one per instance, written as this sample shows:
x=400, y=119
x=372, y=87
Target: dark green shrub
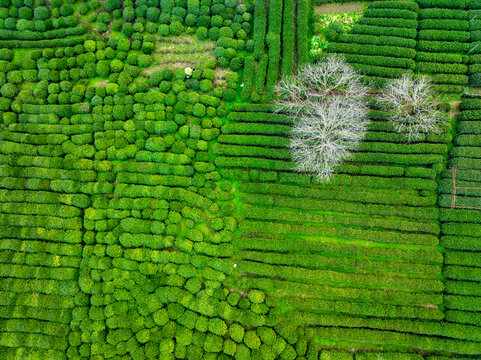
x=164, y=30
x=229, y=95
x=214, y=33
x=337, y=26
x=153, y=14
x=8, y=90
x=206, y=85
x=127, y=29
x=41, y=13
x=66, y=10
x=147, y=47
x=475, y=79
x=128, y=13
x=199, y=110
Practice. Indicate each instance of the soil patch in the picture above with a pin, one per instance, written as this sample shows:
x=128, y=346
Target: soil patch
x=340, y=8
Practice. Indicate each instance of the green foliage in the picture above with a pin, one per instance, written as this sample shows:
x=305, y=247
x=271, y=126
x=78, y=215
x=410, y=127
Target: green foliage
x=252, y=340
x=217, y=326
x=8, y=90
x=260, y=24
x=120, y=203
x=116, y=66
x=199, y=110
x=236, y=332
x=274, y=53
x=213, y=343
x=6, y=54
x=302, y=11
x=256, y=296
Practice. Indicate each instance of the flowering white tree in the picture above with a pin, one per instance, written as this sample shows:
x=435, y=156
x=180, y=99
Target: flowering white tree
x=327, y=99
x=412, y=106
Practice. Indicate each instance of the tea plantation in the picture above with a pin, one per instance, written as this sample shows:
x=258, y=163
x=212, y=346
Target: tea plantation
x=150, y=206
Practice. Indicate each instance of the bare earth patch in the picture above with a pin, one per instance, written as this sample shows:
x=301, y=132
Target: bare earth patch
x=455, y=110
x=100, y=83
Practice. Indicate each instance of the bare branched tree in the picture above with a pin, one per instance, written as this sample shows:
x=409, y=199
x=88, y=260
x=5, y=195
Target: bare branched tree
x=314, y=82
x=327, y=99
x=412, y=105
x=326, y=137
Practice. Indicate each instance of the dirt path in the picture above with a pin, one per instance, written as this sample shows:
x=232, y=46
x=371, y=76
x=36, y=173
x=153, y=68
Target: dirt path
x=455, y=110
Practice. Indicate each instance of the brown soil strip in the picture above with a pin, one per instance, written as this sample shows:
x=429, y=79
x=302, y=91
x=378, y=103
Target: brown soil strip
x=100, y=83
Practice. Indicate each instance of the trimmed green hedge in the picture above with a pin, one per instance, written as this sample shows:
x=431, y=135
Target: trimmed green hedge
x=51, y=34
x=440, y=68
x=379, y=70
x=248, y=78
x=439, y=12
x=384, y=41
x=442, y=46
x=436, y=35
x=430, y=24
x=450, y=79
x=275, y=18
x=260, y=116
x=412, y=6
x=440, y=57
x=391, y=13
x=261, y=74
x=388, y=22
x=25, y=44
x=274, y=43
x=381, y=61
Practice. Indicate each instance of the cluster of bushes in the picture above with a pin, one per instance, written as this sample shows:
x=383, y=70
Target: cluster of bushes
x=61, y=73
x=190, y=108
x=460, y=226
x=227, y=23
x=165, y=131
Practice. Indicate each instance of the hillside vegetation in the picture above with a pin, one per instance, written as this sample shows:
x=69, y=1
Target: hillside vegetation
x=152, y=207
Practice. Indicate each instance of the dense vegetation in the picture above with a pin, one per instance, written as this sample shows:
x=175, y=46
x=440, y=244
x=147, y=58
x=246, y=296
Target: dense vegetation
x=149, y=212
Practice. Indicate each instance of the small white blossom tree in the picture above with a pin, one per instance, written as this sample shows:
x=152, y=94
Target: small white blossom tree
x=412, y=106
x=327, y=99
